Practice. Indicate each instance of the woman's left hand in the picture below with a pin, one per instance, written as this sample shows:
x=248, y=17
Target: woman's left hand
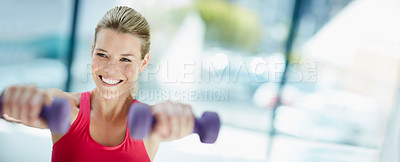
x=174, y=120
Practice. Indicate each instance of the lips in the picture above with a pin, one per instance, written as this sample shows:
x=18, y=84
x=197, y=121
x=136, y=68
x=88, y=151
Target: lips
x=110, y=81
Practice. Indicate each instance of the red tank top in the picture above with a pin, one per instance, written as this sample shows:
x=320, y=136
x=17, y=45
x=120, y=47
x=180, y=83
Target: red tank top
x=77, y=144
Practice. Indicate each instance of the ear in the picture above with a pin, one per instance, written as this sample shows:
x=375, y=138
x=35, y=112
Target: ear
x=145, y=62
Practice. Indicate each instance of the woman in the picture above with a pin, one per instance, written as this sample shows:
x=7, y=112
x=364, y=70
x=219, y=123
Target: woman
x=98, y=132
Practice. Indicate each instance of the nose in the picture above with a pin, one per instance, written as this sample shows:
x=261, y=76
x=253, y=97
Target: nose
x=111, y=67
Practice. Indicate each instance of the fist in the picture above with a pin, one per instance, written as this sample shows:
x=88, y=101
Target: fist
x=23, y=104
x=174, y=121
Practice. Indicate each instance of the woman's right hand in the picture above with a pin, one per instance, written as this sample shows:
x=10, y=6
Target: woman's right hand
x=23, y=104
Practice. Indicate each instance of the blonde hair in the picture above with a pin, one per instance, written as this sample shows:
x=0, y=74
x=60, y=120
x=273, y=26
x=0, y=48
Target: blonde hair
x=124, y=19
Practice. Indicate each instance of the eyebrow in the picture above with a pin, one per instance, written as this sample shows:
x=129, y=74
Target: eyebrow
x=100, y=49
x=127, y=54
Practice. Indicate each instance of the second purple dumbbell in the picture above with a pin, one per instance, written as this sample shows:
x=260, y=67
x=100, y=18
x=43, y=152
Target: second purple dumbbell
x=57, y=115
x=141, y=122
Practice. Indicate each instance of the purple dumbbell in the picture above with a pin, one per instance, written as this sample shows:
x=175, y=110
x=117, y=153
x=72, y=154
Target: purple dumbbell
x=141, y=122
x=57, y=115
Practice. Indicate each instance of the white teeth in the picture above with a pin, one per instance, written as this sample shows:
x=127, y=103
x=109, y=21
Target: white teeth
x=108, y=81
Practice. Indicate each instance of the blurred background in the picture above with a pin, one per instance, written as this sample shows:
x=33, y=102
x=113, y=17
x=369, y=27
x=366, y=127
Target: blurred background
x=292, y=80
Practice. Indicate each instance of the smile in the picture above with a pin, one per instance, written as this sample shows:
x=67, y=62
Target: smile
x=110, y=81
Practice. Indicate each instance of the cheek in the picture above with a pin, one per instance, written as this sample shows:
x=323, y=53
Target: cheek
x=94, y=66
x=131, y=71
x=97, y=64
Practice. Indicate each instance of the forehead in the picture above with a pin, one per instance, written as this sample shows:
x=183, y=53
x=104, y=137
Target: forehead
x=118, y=43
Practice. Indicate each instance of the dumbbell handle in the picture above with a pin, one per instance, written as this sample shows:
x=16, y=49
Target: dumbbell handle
x=141, y=121
x=57, y=115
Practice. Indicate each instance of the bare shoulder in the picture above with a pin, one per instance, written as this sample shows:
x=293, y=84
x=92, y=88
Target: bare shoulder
x=74, y=98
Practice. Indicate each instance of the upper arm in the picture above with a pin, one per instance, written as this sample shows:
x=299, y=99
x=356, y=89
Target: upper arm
x=151, y=146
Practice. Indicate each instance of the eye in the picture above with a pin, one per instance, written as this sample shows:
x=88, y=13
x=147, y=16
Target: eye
x=125, y=60
x=101, y=55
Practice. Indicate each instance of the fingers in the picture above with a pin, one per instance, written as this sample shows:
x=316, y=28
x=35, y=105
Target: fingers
x=161, y=129
x=13, y=105
x=25, y=100
x=182, y=122
x=23, y=104
x=6, y=110
x=35, y=107
x=174, y=120
x=189, y=120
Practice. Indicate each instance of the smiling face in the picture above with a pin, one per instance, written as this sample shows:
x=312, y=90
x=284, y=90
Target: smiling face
x=116, y=62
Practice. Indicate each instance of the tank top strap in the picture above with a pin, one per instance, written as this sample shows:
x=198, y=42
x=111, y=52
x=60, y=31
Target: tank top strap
x=84, y=106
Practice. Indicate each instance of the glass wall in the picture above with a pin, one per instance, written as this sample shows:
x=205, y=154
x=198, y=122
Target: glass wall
x=343, y=84
x=34, y=43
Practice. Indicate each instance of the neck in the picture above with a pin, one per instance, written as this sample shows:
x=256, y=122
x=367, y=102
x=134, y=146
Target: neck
x=110, y=108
